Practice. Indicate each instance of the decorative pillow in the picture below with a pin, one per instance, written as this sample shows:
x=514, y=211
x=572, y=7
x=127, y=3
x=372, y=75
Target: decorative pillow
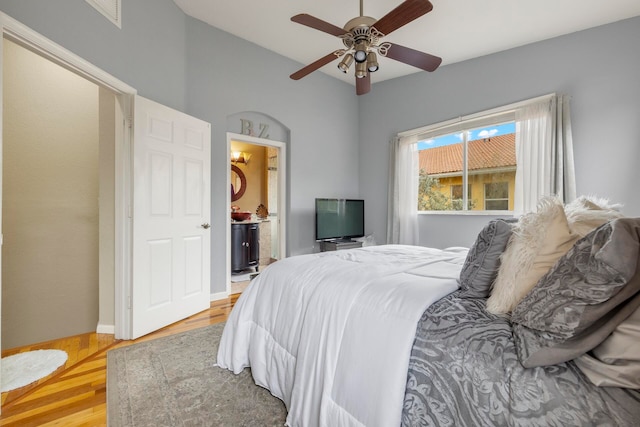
x=538, y=241
x=582, y=298
x=483, y=260
x=616, y=362
x=585, y=214
x=368, y=240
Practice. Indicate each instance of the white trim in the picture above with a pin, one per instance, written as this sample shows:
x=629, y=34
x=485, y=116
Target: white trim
x=27, y=37
x=124, y=219
x=471, y=213
x=482, y=114
x=111, y=9
x=282, y=195
x=219, y=295
x=1, y=174
x=105, y=329
x=58, y=54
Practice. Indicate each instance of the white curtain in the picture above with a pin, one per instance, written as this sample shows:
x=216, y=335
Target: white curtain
x=402, y=226
x=544, y=153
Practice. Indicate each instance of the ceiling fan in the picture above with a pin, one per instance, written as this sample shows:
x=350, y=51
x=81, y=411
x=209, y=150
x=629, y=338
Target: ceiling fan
x=361, y=38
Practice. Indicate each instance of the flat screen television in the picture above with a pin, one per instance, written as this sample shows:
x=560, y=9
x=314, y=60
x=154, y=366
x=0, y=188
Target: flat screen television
x=339, y=219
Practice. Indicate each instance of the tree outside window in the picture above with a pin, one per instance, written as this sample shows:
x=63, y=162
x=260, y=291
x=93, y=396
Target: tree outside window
x=430, y=195
x=457, y=198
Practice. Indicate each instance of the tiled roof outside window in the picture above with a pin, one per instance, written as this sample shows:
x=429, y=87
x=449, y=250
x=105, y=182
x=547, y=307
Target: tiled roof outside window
x=488, y=153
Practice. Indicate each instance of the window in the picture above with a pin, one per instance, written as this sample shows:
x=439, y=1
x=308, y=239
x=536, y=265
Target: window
x=496, y=196
x=418, y=171
x=457, y=197
x=479, y=149
x=482, y=158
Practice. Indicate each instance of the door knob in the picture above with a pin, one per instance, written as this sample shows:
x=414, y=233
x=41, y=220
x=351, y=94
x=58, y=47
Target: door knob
x=205, y=226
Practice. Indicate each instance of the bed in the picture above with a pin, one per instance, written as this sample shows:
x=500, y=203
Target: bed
x=401, y=335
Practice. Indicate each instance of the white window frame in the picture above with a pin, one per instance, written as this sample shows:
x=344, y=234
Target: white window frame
x=463, y=124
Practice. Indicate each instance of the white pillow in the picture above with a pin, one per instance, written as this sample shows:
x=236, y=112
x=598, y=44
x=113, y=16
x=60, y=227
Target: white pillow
x=586, y=213
x=538, y=241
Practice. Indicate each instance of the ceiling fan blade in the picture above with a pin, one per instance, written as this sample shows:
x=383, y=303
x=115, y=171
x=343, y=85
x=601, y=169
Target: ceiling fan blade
x=402, y=15
x=318, y=24
x=413, y=57
x=317, y=64
x=363, y=85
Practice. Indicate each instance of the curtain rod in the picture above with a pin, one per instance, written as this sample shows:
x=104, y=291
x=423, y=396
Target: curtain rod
x=486, y=113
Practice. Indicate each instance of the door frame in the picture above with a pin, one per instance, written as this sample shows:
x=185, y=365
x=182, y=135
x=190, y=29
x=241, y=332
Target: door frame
x=282, y=195
x=124, y=94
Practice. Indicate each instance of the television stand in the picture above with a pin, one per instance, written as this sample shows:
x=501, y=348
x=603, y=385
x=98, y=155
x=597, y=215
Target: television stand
x=336, y=245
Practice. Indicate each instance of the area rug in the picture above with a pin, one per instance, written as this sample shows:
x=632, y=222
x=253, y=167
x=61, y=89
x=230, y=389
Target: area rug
x=173, y=381
x=25, y=368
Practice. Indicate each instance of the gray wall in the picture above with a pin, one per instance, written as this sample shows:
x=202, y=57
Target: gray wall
x=148, y=53
x=228, y=75
x=339, y=142
x=599, y=68
x=190, y=66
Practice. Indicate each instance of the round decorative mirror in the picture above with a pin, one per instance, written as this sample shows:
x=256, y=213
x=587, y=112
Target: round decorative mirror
x=238, y=183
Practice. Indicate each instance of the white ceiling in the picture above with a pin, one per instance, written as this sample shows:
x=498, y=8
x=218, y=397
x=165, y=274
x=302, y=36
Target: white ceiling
x=455, y=30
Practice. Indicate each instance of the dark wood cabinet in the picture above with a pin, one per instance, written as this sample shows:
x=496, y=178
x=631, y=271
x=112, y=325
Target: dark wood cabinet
x=245, y=246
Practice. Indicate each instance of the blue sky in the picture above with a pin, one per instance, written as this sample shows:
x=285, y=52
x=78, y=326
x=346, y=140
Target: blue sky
x=485, y=132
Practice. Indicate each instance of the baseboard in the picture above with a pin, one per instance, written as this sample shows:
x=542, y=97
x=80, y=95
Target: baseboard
x=111, y=329
x=105, y=329
x=219, y=295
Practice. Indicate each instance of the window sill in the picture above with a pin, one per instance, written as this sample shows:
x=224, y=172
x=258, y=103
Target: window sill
x=469, y=213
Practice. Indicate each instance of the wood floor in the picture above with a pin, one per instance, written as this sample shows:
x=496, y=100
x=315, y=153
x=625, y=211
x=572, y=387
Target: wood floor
x=75, y=395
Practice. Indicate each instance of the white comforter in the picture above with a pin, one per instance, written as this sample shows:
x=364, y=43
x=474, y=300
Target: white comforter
x=331, y=333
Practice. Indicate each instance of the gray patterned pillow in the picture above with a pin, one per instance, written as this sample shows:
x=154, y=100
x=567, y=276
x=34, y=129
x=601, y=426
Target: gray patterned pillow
x=483, y=260
x=582, y=298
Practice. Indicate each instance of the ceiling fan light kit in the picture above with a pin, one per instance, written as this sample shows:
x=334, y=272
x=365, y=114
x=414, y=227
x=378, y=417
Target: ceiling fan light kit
x=361, y=38
x=361, y=70
x=372, y=62
x=345, y=63
x=360, y=51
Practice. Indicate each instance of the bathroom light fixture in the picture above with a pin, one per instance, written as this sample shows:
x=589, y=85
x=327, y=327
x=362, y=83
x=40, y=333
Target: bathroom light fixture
x=240, y=157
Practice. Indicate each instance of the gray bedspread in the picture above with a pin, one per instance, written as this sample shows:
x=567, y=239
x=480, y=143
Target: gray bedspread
x=464, y=371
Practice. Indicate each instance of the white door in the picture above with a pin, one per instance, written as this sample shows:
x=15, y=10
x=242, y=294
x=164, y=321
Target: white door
x=171, y=216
